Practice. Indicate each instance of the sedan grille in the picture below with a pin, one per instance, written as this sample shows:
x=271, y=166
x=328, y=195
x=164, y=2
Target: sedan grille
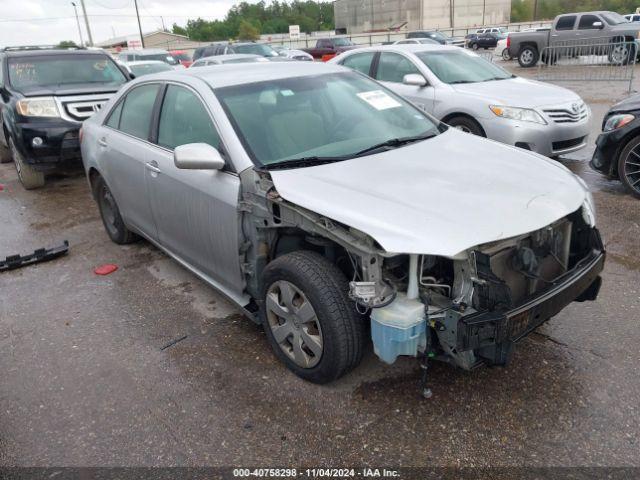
x=573, y=113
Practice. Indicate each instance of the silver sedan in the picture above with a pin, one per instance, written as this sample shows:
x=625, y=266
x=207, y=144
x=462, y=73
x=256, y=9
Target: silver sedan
x=465, y=91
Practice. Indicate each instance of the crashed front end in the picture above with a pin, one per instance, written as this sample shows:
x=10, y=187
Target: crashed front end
x=472, y=309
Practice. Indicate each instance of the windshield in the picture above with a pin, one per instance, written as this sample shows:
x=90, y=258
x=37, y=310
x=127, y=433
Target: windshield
x=256, y=49
x=613, y=18
x=246, y=60
x=437, y=35
x=453, y=66
x=161, y=57
x=146, y=69
x=57, y=70
x=329, y=117
x=342, y=42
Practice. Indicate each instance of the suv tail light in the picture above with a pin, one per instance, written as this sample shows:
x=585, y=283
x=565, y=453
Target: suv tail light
x=508, y=41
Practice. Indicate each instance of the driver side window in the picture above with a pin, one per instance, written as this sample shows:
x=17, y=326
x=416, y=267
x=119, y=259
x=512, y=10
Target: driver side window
x=184, y=119
x=360, y=62
x=392, y=67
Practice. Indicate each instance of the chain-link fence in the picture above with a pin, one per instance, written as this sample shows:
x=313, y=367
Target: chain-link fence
x=598, y=60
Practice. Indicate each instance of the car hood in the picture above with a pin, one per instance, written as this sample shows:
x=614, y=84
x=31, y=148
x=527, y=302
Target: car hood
x=440, y=196
x=55, y=90
x=518, y=92
x=627, y=105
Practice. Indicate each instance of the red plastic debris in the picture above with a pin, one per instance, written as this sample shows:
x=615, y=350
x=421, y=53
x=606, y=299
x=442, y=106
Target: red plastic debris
x=105, y=269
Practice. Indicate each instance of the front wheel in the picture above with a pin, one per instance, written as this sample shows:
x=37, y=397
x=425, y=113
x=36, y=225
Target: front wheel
x=474, y=46
x=466, y=124
x=528, y=57
x=29, y=177
x=310, y=322
x=629, y=167
x=622, y=53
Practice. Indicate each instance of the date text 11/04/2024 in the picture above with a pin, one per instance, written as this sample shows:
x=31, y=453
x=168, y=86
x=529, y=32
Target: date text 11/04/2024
x=316, y=472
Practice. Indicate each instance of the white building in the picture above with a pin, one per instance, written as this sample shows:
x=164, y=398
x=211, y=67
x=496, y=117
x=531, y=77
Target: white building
x=358, y=16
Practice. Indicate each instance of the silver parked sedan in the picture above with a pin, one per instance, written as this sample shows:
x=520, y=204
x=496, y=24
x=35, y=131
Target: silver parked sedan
x=312, y=196
x=474, y=95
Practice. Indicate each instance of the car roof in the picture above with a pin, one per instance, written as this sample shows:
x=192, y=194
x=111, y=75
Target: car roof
x=245, y=73
x=407, y=47
x=51, y=51
x=143, y=51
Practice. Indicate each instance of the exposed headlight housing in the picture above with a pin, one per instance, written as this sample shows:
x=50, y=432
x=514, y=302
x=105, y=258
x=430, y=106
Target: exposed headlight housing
x=38, y=107
x=618, y=121
x=515, y=113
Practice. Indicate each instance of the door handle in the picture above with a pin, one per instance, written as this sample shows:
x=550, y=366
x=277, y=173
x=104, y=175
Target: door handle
x=153, y=166
x=102, y=142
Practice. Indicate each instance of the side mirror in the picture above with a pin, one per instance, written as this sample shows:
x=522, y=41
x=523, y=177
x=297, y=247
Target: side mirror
x=414, y=79
x=197, y=156
x=598, y=25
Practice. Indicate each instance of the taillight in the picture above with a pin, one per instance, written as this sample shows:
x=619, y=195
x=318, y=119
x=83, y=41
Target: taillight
x=80, y=135
x=508, y=41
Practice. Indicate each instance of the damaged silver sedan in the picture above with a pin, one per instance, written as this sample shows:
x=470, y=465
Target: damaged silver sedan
x=320, y=202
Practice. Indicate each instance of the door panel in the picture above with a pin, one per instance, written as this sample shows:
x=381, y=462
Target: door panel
x=124, y=150
x=195, y=210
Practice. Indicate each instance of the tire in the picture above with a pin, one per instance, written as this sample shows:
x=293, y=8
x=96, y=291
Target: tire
x=505, y=55
x=629, y=166
x=29, y=177
x=528, y=56
x=466, y=124
x=5, y=154
x=110, y=214
x=622, y=54
x=474, y=46
x=329, y=334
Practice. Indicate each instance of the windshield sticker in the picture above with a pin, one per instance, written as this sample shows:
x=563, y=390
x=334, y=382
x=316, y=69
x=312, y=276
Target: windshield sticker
x=379, y=100
x=286, y=93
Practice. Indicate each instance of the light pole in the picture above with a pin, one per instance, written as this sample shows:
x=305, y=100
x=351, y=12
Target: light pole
x=135, y=2
x=86, y=21
x=75, y=9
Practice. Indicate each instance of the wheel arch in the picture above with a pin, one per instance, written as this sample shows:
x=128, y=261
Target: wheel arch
x=451, y=115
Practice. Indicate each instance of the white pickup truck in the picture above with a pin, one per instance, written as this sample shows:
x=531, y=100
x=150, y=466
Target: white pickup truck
x=612, y=30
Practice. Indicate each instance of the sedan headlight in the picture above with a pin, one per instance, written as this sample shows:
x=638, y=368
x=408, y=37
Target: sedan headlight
x=38, y=107
x=514, y=113
x=617, y=121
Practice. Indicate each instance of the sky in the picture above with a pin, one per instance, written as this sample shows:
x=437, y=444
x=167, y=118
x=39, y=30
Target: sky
x=42, y=22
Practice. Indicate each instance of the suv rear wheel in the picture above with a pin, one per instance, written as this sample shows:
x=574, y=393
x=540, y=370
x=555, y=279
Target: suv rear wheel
x=29, y=177
x=310, y=322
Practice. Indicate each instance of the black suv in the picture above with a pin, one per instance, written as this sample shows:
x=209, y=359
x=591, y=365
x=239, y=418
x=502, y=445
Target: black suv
x=230, y=48
x=45, y=95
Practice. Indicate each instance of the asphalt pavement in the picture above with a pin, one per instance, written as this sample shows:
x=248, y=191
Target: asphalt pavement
x=86, y=379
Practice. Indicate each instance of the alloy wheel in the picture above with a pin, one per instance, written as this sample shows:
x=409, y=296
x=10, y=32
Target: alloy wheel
x=294, y=324
x=632, y=168
x=527, y=57
x=619, y=54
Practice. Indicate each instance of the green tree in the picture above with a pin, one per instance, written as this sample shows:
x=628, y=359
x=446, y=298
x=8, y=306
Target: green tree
x=178, y=30
x=67, y=44
x=247, y=31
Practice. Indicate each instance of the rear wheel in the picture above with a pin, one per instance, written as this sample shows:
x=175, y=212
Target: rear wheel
x=110, y=213
x=629, y=167
x=466, y=124
x=29, y=177
x=505, y=55
x=310, y=322
x=528, y=56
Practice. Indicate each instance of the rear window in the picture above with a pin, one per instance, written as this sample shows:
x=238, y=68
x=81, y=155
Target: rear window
x=33, y=72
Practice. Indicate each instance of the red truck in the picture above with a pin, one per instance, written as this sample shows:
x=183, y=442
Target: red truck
x=327, y=48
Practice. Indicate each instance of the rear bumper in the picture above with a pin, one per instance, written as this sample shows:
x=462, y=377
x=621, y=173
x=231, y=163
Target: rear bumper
x=491, y=334
x=59, y=146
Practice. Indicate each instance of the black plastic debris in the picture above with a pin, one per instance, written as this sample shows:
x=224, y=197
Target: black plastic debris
x=41, y=255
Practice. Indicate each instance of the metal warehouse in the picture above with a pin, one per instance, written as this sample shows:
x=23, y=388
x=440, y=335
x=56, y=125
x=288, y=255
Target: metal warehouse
x=358, y=16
